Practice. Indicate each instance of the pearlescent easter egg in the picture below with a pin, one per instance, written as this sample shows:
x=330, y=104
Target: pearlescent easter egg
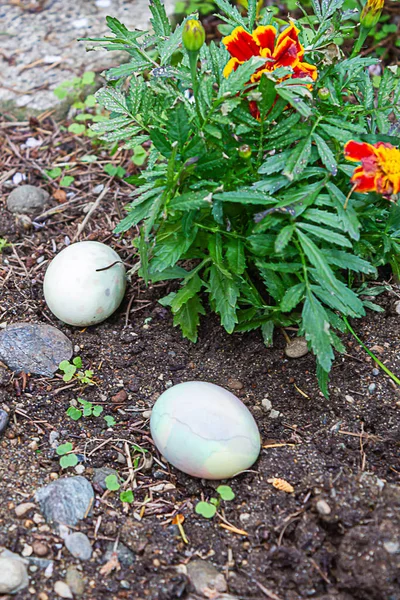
x=204, y=430
x=76, y=291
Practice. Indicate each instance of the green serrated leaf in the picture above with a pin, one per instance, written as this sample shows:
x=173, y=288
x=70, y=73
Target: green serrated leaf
x=317, y=330
x=298, y=159
x=283, y=238
x=225, y=293
x=235, y=256
x=326, y=154
x=292, y=297
x=188, y=318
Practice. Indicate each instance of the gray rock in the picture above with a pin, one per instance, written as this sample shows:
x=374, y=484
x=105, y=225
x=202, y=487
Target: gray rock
x=50, y=36
x=79, y=546
x=75, y=581
x=4, y=417
x=296, y=348
x=205, y=579
x=34, y=348
x=66, y=501
x=13, y=576
x=27, y=199
x=125, y=556
x=100, y=475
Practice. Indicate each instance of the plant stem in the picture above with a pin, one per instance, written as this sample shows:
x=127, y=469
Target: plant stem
x=372, y=355
x=362, y=36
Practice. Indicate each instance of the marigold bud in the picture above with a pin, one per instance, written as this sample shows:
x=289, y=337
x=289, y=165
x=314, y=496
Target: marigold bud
x=193, y=35
x=371, y=13
x=324, y=93
x=245, y=151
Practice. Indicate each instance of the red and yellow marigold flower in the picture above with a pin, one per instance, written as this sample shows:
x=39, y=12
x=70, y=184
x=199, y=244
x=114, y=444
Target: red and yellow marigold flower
x=283, y=50
x=379, y=170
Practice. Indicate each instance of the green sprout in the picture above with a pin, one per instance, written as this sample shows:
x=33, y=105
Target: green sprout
x=112, y=483
x=68, y=458
x=3, y=244
x=71, y=371
x=126, y=496
x=209, y=509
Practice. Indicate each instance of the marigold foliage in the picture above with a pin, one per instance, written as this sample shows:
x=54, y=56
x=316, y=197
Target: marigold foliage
x=270, y=238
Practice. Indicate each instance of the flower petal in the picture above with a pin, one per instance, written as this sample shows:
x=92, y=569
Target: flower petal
x=265, y=36
x=285, y=54
x=231, y=65
x=359, y=150
x=241, y=44
x=363, y=182
x=304, y=69
x=292, y=33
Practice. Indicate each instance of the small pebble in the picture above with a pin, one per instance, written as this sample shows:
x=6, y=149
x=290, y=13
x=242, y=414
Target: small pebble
x=372, y=388
x=75, y=581
x=125, y=584
x=266, y=404
x=296, y=348
x=40, y=549
x=4, y=418
x=62, y=589
x=349, y=399
x=375, y=372
x=79, y=545
x=323, y=508
x=391, y=547
x=120, y=397
x=235, y=384
x=146, y=414
x=27, y=550
x=43, y=596
x=22, y=509
x=274, y=414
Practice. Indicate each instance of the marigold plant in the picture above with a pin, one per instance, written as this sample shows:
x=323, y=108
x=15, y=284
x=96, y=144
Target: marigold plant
x=247, y=198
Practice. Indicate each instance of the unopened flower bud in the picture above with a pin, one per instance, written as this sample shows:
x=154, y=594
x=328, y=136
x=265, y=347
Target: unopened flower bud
x=193, y=36
x=245, y=151
x=324, y=93
x=371, y=13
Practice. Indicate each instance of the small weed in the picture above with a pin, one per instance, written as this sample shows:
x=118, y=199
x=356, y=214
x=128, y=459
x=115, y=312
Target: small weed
x=89, y=409
x=71, y=371
x=3, y=244
x=208, y=509
x=126, y=496
x=112, y=483
x=68, y=458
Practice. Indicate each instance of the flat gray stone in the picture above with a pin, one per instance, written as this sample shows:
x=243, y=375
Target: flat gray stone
x=34, y=348
x=27, y=199
x=13, y=576
x=66, y=501
x=41, y=51
x=79, y=545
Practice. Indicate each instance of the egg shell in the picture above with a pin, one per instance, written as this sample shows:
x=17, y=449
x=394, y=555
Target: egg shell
x=75, y=290
x=204, y=430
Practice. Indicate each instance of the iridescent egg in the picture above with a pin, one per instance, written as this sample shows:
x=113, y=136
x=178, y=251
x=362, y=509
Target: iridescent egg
x=204, y=430
x=85, y=283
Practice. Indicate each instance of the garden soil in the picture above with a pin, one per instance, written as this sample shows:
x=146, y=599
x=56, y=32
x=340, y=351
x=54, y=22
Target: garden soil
x=335, y=537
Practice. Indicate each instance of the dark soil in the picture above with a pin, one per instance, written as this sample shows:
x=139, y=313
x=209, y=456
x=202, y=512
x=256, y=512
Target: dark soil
x=343, y=451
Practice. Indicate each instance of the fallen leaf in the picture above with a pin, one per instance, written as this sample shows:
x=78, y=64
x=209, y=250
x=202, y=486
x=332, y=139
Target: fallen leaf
x=111, y=565
x=281, y=484
x=60, y=196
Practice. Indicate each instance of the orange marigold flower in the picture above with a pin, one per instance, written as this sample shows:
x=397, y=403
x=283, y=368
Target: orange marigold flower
x=380, y=167
x=283, y=50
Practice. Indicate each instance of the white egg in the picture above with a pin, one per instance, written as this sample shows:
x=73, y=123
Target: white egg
x=204, y=430
x=79, y=288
